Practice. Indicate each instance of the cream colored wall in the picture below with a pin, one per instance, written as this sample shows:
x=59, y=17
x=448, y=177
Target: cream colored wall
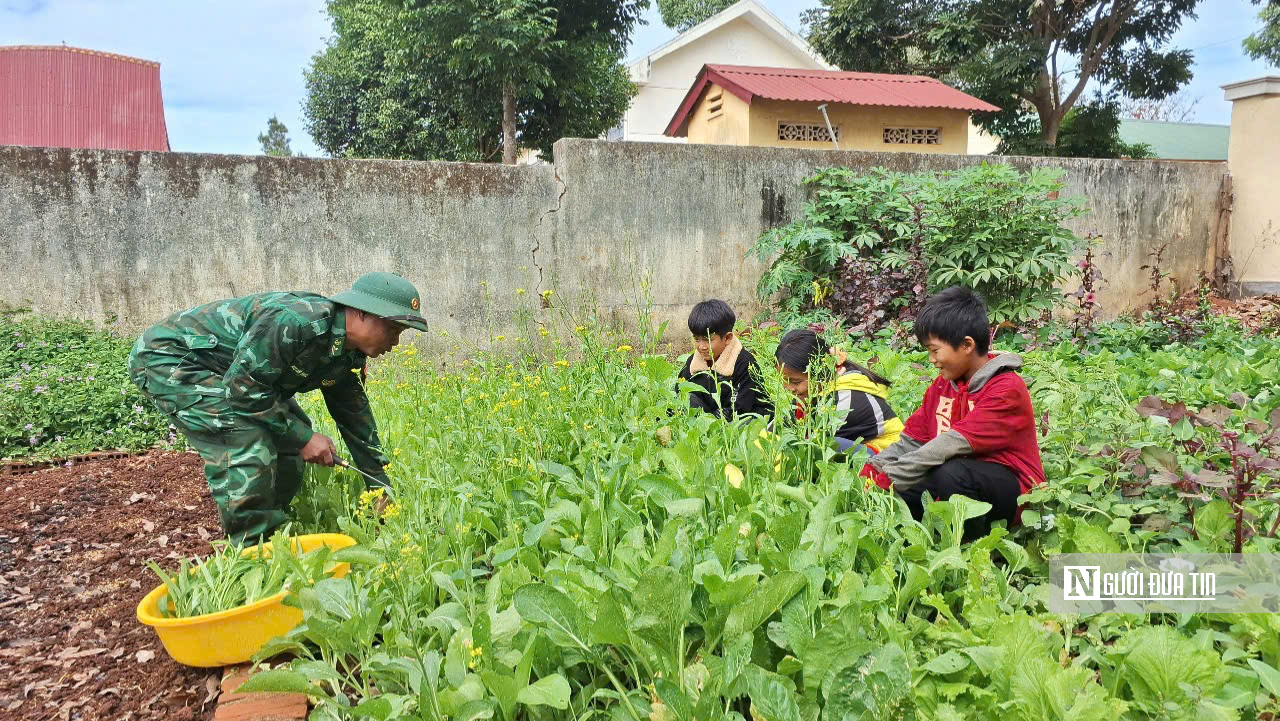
x=670, y=77
x=861, y=126
x=728, y=127
x=980, y=143
x=1253, y=157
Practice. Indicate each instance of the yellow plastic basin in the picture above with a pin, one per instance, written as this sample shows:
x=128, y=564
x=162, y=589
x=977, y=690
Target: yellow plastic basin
x=234, y=636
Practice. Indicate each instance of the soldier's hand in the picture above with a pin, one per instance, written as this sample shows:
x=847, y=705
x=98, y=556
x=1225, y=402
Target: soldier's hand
x=319, y=450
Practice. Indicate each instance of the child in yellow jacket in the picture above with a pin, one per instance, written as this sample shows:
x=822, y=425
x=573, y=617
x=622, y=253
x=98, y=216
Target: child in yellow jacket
x=861, y=394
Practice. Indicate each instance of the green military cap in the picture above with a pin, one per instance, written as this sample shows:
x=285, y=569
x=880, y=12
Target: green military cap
x=387, y=296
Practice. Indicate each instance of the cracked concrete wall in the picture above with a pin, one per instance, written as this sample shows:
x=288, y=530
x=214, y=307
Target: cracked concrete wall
x=137, y=236
x=691, y=213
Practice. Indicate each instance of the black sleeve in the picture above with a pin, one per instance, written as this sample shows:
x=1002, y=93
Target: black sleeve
x=748, y=397
x=864, y=418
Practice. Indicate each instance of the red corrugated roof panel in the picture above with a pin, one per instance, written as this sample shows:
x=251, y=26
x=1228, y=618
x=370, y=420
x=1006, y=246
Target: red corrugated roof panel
x=59, y=96
x=825, y=86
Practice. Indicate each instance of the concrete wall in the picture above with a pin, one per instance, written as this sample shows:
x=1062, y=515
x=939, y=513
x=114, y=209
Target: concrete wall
x=1253, y=157
x=139, y=235
x=90, y=234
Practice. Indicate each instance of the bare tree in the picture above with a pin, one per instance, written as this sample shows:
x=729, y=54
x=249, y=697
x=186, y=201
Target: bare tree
x=1177, y=108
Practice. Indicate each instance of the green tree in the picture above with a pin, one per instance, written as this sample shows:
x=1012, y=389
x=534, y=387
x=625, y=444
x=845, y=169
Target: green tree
x=1265, y=43
x=275, y=142
x=1089, y=130
x=1033, y=61
x=468, y=80
x=680, y=15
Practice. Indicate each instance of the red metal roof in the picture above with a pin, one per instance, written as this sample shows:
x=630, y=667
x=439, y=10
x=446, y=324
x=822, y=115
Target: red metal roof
x=58, y=96
x=823, y=86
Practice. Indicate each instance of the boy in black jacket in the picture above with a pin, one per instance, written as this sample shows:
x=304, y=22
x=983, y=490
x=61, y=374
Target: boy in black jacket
x=721, y=365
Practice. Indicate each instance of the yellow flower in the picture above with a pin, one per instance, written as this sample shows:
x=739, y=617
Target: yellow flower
x=519, y=291
x=543, y=332
x=624, y=348
x=734, y=474
x=396, y=452
x=391, y=511
x=368, y=497
x=500, y=338
x=580, y=328
x=544, y=394
x=562, y=363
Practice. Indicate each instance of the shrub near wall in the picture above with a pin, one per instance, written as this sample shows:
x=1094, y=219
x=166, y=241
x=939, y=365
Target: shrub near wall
x=65, y=390
x=869, y=248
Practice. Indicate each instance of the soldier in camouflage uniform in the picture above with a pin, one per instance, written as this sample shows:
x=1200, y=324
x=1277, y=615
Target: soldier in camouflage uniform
x=226, y=372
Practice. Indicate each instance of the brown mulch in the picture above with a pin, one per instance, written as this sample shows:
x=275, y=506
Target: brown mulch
x=1255, y=313
x=73, y=546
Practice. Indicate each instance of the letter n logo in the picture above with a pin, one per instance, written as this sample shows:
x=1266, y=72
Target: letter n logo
x=1080, y=583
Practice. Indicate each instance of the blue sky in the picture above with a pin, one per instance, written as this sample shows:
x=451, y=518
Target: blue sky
x=228, y=65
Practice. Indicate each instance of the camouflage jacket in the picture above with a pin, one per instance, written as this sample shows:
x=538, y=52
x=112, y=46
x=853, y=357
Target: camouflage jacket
x=254, y=353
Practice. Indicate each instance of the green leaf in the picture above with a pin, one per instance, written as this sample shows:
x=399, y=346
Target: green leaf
x=771, y=697
x=550, y=691
x=611, y=623
x=1163, y=666
x=949, y=662
x=1267, y=675
x=376, y=708
x=674, y=698
x=553, y=611
x=357, y=555
x=763, y=602
x=280, y=680
x=684, y=507
x=876, y=687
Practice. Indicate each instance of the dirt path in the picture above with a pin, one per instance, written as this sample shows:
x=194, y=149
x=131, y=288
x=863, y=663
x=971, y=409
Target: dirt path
x=73, y=546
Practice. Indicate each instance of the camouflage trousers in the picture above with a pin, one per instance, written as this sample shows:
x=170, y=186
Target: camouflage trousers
x=252, y=474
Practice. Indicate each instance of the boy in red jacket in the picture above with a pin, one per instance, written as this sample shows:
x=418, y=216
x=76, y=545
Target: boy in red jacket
x=975, y=433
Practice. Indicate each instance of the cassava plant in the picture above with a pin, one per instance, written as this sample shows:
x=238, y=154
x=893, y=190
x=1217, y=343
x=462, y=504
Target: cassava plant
x=870, y=246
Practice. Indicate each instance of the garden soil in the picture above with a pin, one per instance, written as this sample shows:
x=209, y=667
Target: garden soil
x=74, y=542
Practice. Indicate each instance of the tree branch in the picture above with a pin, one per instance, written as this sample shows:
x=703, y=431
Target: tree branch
x=1097, y=48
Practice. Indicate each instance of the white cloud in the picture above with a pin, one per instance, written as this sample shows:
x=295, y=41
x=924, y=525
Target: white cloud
x=225, y=66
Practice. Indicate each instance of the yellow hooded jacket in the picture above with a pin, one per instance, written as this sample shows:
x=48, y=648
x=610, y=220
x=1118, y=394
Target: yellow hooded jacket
x=868, y=415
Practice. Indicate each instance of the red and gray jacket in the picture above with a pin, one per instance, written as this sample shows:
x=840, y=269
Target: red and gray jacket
x=989, y=418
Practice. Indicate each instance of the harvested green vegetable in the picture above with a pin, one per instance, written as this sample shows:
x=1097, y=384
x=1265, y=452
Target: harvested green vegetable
x=230, y=577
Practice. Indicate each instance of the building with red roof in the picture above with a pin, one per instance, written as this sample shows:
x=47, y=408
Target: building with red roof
x=59, y=96
x=789, y=107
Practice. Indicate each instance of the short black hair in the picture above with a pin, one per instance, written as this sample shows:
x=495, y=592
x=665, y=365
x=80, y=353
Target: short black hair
x=799, y=348
x=711, y=316
x=952, y=314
